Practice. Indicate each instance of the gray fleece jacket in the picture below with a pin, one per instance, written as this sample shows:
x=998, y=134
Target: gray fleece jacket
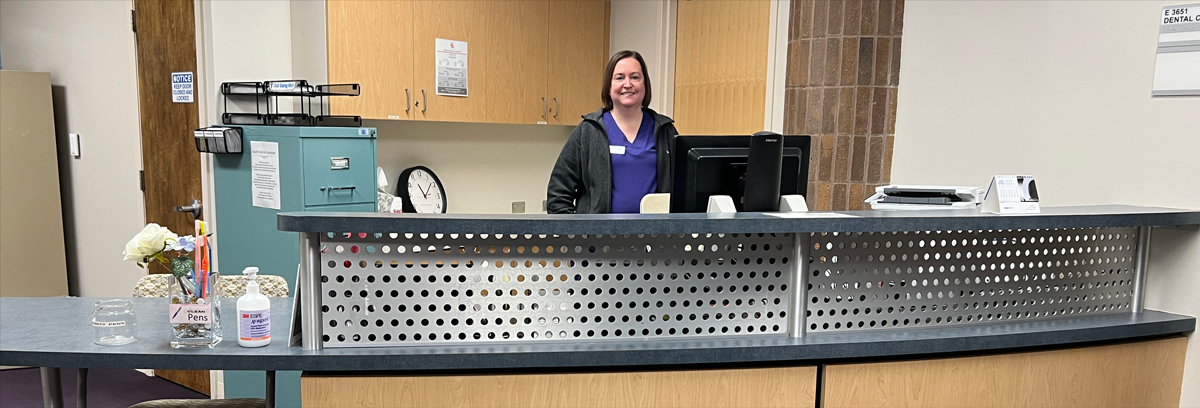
x=581, y=182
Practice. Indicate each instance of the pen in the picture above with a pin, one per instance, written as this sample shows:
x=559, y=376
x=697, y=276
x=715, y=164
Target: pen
x=198, y=264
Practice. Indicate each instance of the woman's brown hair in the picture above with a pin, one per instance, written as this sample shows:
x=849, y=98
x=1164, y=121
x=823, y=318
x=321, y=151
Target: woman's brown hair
x=608, y=73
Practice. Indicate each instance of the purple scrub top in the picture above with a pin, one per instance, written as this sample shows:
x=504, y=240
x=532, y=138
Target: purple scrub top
x=634, y=173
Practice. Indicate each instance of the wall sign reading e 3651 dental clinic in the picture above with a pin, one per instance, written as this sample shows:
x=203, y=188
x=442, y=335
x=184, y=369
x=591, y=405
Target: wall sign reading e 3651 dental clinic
x=1177, y=63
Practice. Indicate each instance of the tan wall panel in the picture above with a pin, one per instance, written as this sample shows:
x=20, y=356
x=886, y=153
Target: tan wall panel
x=1143, y=374
x=721, y=66
x=760, y=388
x=34, y=261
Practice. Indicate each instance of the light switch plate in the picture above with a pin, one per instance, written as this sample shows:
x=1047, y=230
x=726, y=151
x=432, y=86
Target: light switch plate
x=73, y=143
x=518, y=207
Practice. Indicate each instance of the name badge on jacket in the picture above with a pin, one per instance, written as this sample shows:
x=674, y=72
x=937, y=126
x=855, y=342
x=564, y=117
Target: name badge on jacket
x=616, y=149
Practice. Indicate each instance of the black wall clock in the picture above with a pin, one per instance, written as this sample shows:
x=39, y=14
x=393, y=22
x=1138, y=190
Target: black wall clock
x=422, y=192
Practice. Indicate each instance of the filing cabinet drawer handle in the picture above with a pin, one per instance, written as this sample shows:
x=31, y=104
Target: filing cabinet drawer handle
x=337, y=188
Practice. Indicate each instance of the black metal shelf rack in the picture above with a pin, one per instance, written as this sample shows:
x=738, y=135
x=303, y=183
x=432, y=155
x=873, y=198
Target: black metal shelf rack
x=266, y=103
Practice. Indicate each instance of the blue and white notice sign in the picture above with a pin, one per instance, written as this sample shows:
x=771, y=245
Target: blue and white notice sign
x=182, y=87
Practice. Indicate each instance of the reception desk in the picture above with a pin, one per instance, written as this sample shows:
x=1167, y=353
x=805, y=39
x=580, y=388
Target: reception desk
x=679, y=292
x=849, y=309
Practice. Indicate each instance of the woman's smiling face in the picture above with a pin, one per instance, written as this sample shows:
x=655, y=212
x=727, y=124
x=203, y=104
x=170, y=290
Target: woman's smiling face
x=627, y=88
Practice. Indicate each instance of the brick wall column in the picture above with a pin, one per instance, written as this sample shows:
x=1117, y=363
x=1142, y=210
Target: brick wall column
x=842, y=72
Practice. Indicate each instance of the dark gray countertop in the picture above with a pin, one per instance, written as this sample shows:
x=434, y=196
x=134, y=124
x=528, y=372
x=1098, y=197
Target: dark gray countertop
x=54, y=332
x=847, y=221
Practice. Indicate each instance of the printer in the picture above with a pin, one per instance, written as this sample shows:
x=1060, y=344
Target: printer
x=917, y=197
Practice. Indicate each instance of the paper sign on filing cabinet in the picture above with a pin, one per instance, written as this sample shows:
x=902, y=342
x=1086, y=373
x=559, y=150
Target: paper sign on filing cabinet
x=1012, y=195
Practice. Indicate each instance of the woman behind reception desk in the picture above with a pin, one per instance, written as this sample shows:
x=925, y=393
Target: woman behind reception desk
x=617, y=154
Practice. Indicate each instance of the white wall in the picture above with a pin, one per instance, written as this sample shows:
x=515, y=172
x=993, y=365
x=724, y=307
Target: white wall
x=88, y=49
x=245, y=41
x=484, y=167
x=648, y=27
x=1059, y=90
x=309, y=59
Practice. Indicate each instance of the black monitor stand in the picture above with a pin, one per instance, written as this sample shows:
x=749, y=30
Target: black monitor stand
x=763, y=167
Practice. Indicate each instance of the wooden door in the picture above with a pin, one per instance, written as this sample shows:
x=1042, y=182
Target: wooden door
x=166, y=43
x=515, y=54
x=457, y=20
x=721, y=66
x=578, y=52
x=371, y=43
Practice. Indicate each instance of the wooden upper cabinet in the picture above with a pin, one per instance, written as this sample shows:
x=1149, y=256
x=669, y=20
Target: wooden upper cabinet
x=371, y=43
x=457, y=20
x=515, y=52
x=518, y=52
x=721, y=66
x=578, y=52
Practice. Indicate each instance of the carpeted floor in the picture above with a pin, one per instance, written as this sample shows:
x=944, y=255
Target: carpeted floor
x=107, y=388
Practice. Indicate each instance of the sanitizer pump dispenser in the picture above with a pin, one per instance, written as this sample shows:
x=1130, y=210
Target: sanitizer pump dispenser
x=254, y=314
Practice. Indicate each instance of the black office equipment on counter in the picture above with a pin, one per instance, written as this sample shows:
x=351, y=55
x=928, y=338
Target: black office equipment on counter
x=266, y=103
x=719, y=165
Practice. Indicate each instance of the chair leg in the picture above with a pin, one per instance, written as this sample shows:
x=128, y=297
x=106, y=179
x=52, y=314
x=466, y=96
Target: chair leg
x=52, y=387
x=270, y=389
x=81, y=388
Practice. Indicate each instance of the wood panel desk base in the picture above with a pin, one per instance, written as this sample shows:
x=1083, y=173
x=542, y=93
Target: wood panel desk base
x=1142, y=374
x=766, y=387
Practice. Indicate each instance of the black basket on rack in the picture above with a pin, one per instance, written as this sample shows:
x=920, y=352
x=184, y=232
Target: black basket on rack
x=290, y=119
x=337, y=121
x=243, y=118
x=218, y=139
x=266, y=103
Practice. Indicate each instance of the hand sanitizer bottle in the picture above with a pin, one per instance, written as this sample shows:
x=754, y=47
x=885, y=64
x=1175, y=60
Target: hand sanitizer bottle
x=254, y=314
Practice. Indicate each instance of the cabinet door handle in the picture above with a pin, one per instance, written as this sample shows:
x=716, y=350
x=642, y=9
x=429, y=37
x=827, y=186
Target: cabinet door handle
x=425, y=99
x=544, y=107
x=407, y=99
x=337, y=188
x=556, y=108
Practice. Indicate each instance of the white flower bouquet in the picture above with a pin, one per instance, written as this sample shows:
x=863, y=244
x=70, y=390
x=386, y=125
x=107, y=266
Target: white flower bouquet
x=159, y=244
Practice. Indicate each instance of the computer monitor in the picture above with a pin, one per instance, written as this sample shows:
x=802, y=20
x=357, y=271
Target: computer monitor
x=716, y=165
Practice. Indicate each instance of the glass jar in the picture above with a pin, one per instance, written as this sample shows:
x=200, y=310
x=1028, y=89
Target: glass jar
x=194, y=312
x=114, y=322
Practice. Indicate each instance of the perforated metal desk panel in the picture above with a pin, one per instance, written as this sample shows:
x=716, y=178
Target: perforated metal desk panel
x=404, y=280
x=27, y=341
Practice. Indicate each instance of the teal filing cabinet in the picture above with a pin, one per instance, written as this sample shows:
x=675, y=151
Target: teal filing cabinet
x=320, y=169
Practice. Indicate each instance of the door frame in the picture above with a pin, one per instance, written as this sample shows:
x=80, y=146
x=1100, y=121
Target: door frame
x=206, y=110
x=160, y=116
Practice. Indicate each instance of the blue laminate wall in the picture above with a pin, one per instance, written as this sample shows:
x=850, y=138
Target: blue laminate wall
x=251, y=384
